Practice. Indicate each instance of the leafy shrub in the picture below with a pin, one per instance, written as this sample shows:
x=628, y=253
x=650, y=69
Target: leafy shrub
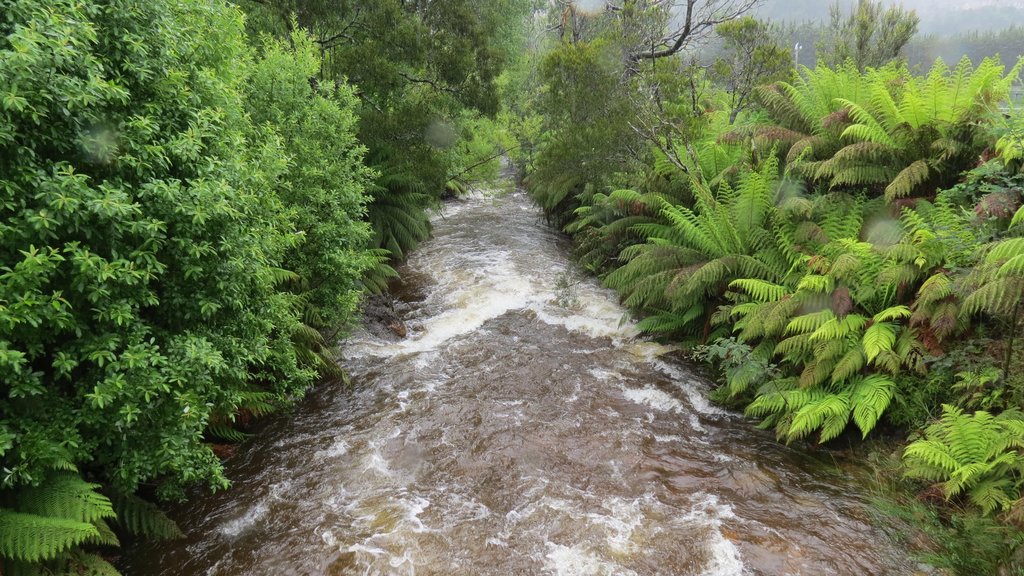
x=691, y=254
x=143, y=244
x=324, y=182
x=741, y=368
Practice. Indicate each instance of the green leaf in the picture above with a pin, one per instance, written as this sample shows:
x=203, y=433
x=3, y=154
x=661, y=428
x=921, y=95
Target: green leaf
x=879, y=337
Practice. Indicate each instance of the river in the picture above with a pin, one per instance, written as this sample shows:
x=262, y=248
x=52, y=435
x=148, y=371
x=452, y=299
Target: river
x=521, y=427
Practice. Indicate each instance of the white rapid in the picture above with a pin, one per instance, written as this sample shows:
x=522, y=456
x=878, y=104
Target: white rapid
x=521, y=427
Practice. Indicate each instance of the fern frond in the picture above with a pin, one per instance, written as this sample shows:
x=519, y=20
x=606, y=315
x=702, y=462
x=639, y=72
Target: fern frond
x=65, y=496
x=808, y=323
x=142, y=518
x=908, y=180
x=871, y=397
x=892, y=313
x=34, y=538
x=879, y=337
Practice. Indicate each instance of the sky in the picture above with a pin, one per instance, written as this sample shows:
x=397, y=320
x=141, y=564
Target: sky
x=937, y=16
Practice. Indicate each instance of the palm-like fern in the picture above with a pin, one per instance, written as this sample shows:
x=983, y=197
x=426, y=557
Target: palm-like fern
x=398, y=215
x=923, y=135
x=885, y=129
x=978, y=455
x=1010, y=145
x=380, y=272
x=48, y=529
x=140, y=517
x=690, y=257
x=399, y=202
x=999, y=284
x=606, y=224
x=838, y=321
x=808, y=118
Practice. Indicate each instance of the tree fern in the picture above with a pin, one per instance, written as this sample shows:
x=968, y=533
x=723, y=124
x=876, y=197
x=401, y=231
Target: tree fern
x=879, y=338
x=399, y=220
x=871, y=396
x=44, y=522
x=998, y=286
x=851, y=129
x=379, y=273
x=35, y=538
x=836, y=325
x=688, y=260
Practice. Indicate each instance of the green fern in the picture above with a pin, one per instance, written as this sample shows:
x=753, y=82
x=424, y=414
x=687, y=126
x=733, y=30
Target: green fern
x=65, y=496
x=379, y=273
x=692, y=254
x=34, y=538
x=977, y=455
x=998, y=286
x=885, y=130
x=42, y=523
x=47, y=529
x=142, y=518
x=74, y=563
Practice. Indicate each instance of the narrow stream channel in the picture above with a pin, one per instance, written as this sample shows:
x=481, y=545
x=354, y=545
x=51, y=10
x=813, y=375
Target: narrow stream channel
x=520, y=428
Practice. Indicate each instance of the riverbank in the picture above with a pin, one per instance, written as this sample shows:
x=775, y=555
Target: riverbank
x=511, y=433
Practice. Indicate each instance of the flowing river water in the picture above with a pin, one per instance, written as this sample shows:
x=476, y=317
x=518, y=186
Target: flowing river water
x=520, y=428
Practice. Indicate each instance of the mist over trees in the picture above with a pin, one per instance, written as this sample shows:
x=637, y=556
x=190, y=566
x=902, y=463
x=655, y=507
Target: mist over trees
x=946, y=18
x=974, y=30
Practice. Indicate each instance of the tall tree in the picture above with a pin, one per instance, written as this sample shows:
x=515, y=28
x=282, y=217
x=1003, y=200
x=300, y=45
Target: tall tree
x=752, y=56
x=871, y=36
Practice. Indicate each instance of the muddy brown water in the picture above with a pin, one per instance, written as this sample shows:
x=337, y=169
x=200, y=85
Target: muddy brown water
x=521, y=427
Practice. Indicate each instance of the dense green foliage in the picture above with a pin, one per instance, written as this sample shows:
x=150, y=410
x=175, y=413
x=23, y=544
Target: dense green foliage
x=141, y=247
x=870, y=35
x=846, y=249
x=141, y=256
x=187, y=207
x=426, y=74
x=323, y=184
x=194, y=198
x=977, y=454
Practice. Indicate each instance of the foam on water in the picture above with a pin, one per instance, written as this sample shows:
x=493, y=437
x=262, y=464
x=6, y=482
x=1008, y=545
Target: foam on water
x=685, y=383
x=623, y=517
x=255, y=514
x=724, y=556
x=578, y=561
x=599, y=317
x=654, y=398
x=234, y=528
x=515, y=430
x=338, y=449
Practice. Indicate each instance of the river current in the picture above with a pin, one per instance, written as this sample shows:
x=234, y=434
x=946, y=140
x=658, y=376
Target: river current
x=520, y=427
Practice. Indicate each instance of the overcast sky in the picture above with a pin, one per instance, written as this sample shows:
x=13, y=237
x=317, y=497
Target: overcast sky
x=937, y=16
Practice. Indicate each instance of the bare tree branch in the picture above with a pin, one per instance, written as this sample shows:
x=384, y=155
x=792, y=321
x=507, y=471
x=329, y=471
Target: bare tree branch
x=698, y=18
x=430, y=83
x=458, y=177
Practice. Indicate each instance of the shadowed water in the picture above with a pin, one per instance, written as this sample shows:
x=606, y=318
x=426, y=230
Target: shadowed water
x=519, y=428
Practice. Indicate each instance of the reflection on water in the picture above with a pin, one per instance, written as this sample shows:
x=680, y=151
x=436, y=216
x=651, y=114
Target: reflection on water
x=509, y=434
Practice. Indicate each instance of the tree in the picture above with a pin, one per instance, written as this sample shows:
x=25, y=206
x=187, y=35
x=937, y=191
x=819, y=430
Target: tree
x=752, y=57
x=677, y=24
x=871, y=36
